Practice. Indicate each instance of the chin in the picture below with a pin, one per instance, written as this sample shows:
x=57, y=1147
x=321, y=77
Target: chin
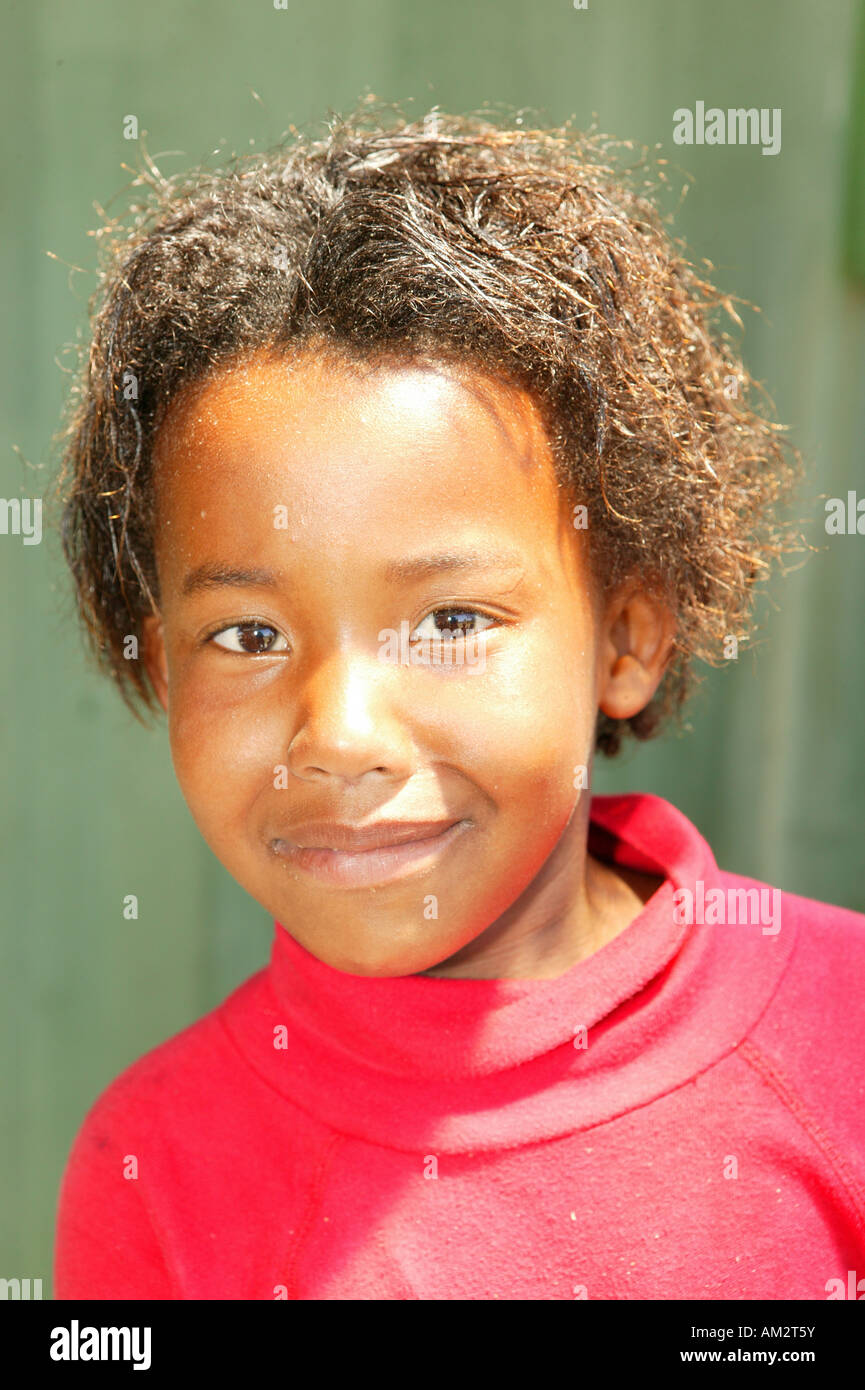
x=388, y=967
x=386, y=971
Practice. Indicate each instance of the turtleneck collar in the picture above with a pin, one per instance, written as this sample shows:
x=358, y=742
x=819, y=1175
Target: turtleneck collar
x=461, y=1065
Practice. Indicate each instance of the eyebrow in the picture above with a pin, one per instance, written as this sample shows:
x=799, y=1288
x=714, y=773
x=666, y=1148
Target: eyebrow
x=419, y=566
x=215, y=576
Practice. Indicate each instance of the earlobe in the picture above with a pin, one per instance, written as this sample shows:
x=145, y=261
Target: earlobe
x=636, y=650
x=154, y=656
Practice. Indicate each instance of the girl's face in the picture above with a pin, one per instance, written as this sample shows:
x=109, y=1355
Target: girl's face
x=319, y=529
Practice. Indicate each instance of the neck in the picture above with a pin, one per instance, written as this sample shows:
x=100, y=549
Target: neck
x=573, y=907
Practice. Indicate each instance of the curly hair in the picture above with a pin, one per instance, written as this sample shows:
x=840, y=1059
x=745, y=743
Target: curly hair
x=534, y=255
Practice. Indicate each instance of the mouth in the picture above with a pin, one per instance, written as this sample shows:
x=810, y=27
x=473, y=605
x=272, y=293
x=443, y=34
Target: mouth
x=353, y=858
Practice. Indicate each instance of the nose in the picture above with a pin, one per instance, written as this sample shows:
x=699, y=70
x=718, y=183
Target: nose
x=348, y=724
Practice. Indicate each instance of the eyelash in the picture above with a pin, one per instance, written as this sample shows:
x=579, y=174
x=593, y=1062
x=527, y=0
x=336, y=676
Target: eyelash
x=236, y=627
x=260, y=622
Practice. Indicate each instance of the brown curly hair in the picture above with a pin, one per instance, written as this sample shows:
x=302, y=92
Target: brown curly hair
x=527, y=253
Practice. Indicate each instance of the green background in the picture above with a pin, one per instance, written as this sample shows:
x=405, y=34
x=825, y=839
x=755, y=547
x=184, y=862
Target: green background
x=772, y=768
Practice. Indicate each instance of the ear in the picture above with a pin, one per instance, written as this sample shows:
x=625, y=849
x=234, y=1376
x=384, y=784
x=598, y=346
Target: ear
x=636, y=645
x=154, y=657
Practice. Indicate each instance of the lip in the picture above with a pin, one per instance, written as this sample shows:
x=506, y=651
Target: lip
x=354, y=856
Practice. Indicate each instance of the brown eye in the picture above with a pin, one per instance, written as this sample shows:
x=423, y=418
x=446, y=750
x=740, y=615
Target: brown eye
x=453, y=623
x=249, y=639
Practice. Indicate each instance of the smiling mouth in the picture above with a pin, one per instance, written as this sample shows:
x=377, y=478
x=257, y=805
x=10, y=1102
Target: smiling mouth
x=400, y=850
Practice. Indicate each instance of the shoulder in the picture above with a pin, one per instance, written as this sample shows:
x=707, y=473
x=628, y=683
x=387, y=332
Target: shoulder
x=826, y=955
x=829, y=940
x=809, y=1043
x=110, y=1238
x=176, y=1077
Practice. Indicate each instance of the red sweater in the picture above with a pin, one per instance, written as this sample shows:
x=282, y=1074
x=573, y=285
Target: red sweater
x=678, y=1116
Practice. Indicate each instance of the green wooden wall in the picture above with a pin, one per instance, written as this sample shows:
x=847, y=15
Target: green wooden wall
x=772, y=770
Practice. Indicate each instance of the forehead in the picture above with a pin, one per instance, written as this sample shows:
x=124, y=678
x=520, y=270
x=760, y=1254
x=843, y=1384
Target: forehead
x=347, y=447
x=259, y=398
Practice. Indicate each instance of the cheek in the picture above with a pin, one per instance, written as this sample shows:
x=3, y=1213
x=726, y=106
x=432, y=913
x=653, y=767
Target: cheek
x=223, y=757
x=521, y=729
x=536, y=698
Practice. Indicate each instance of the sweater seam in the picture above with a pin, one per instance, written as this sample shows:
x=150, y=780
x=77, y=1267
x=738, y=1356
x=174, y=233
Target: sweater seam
x=177, y=1291
x=774, y=1078
x=332, y=1143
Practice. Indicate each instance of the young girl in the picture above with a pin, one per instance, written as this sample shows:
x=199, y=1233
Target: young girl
x=406, y=472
